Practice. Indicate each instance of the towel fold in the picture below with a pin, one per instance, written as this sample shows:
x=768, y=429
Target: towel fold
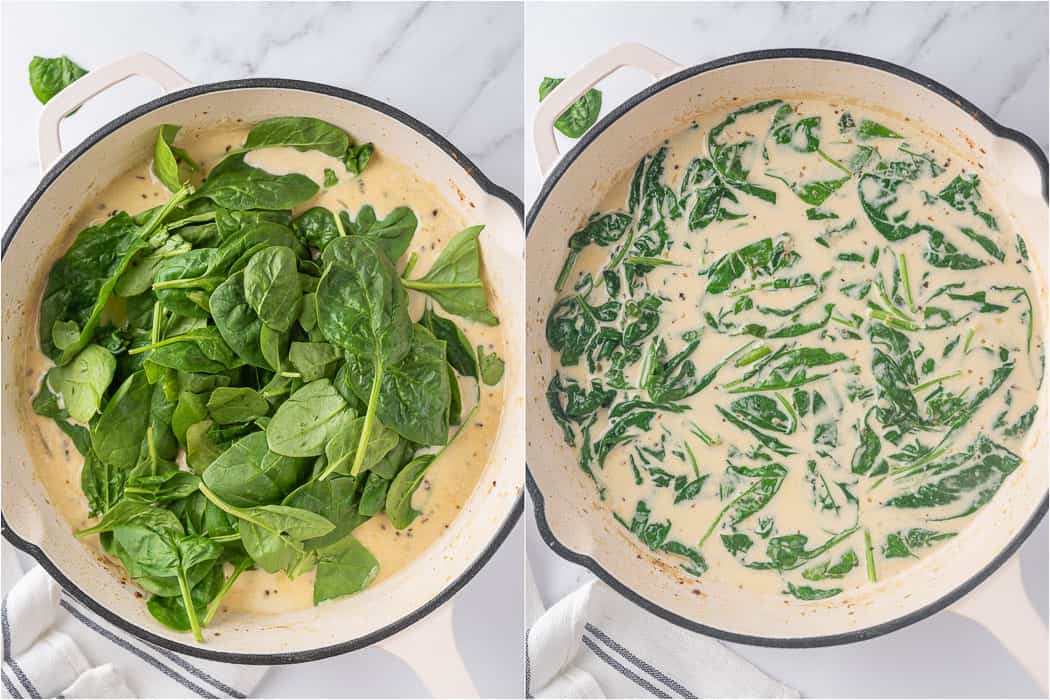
x=54, y=646
x=594, y=643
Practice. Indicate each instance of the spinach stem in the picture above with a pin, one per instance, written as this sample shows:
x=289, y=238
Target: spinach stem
x=704, y=437
x=221, y=504
x=424, y=286
x=187, y=220
x=881, y=286
x=187, y=601
x=154, y=334
x=151, y=449
x=566, y=269
x=907, y=283
x=869, y=556
x=753, y=356
x=714, y=525
x=791, y=412
x=213, y=606
x=969, y=339
x=919, y=465
x=692, y=460
x=189, y=283
x=410, y=265
x=890, y=320
x=622, y=251
x=158, y=344
x=370, y=417
x=936, y=380
x=155, y=221
x=649, y=261
x=834, y=162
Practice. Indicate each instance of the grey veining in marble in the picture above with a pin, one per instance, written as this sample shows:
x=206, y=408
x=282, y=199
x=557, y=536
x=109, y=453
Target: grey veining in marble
x=456, y=67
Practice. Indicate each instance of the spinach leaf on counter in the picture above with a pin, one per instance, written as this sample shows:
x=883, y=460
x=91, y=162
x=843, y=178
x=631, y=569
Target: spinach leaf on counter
x=581, y=114
x=49, y=76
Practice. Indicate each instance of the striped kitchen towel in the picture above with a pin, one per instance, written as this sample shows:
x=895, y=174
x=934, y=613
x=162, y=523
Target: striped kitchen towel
x=594, y=643
x=54, y=646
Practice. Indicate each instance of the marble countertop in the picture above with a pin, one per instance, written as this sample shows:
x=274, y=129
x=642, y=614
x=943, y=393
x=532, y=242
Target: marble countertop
x=457, y=68
x=992, y=53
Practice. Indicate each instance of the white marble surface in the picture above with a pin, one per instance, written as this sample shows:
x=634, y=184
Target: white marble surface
x=995, y=54
x=455, y=67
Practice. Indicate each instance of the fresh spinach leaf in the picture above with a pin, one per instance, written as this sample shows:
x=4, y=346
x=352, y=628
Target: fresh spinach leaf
x=581, y=114
x=167, y=157
x=234, y=184
x=402, y=488
x=454, y=281
x=271, y=286
x=414, y=393
x=248, y=473
x=307, y=421
x=343, y=568
x=490, y=366
x=82, y=382
x=49, y=76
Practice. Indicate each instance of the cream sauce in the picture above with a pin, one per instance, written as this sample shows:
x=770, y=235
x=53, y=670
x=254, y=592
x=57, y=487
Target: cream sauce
x=833, y=496
x=385, y=184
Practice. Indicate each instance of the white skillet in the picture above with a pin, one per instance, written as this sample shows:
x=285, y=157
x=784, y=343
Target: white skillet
x=571, y=519
x=390, y=614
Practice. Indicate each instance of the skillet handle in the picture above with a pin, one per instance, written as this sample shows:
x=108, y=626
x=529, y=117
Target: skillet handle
x=574, y=86
x=1002, y=607
x=49, y=144
x=429, y=648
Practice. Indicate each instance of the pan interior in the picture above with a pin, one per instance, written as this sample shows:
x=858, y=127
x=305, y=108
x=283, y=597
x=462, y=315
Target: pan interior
x=589, y=530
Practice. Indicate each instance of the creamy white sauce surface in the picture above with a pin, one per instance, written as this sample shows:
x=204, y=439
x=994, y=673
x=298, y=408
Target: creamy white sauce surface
x=778, y=476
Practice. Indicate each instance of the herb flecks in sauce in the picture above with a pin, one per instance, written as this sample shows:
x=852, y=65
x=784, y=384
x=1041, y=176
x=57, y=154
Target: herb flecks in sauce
x=774, y=358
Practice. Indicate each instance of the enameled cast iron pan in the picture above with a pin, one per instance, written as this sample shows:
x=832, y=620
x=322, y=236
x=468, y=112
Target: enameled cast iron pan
x=31, y=524
x=569, y=515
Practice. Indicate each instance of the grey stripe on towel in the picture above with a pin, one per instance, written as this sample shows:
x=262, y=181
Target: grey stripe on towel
x=9, y=658
x=626, y=672
x=10, y=686
x=642, y=665
x=152, y=661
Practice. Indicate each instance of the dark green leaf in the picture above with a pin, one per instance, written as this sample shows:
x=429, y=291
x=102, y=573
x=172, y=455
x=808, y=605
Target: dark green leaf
x=581, y=114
